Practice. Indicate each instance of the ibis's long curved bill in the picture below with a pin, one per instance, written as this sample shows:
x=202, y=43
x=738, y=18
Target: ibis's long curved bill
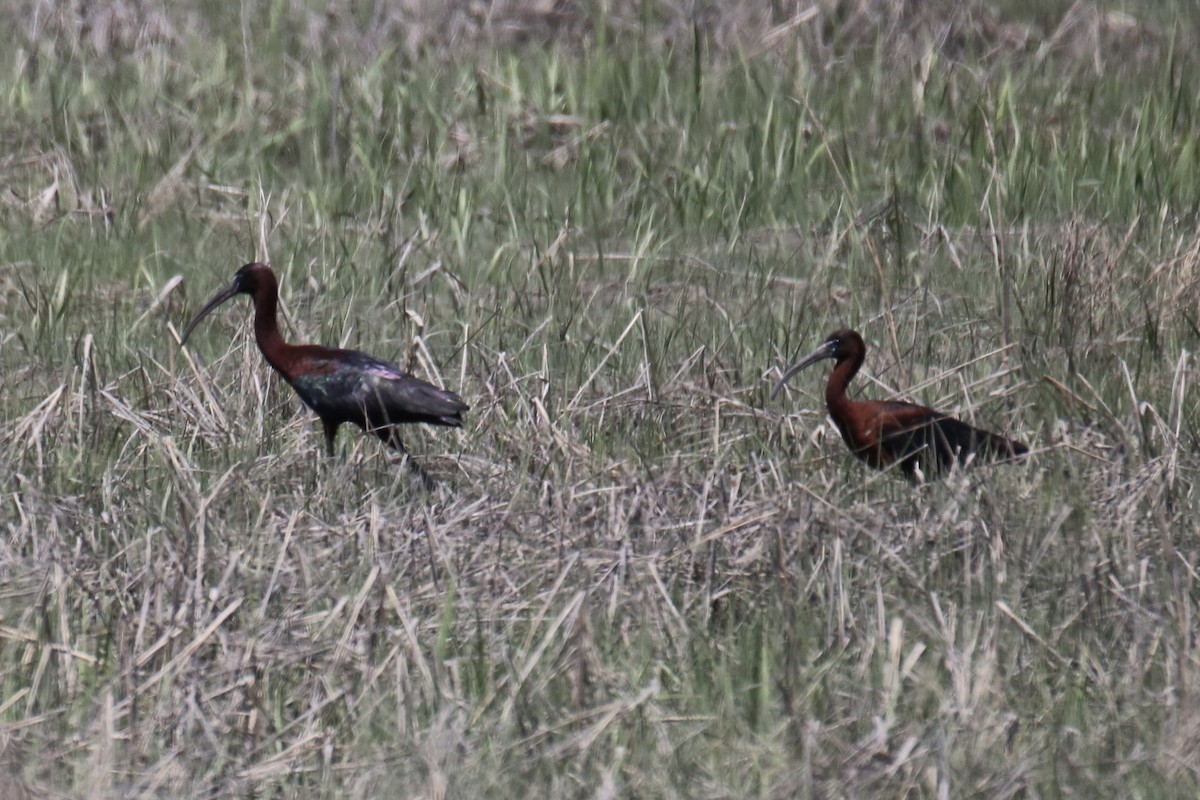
x=221, y=296
x=820, y=354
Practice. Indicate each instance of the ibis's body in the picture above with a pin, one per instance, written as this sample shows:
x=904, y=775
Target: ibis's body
x=924, y=442
x=339, y=385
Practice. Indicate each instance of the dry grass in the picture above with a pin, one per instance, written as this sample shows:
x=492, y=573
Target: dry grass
x=638, y=576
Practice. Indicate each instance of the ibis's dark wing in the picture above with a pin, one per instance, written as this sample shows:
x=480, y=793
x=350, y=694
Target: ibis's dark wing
x=917, y=436
x=354, y=387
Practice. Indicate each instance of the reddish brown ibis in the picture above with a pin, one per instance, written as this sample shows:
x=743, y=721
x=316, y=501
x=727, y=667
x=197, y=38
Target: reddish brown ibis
x=339, y=385
x=925, y=442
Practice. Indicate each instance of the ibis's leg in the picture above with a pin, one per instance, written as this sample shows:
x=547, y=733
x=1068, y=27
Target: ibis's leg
x=330, y=435
x=391, y=436
x=426, y=480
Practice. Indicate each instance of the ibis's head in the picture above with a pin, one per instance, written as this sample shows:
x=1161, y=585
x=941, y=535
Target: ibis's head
x=246, y=280
x=839, y=346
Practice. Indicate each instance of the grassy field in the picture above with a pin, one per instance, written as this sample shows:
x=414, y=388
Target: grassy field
x=607, y=226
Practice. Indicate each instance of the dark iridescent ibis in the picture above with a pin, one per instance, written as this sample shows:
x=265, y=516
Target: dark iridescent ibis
x=924, y=442
x=339, y=385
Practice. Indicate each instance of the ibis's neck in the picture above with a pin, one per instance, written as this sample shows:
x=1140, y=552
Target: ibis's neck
x=266, y=326
x=835, y=390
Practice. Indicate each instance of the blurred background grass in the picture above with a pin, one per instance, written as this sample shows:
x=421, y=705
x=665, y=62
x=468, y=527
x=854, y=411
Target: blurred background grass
x=605, y=225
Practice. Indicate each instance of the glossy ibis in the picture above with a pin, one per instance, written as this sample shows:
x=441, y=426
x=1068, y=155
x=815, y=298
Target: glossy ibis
x=883, y=432
x=339, y=385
